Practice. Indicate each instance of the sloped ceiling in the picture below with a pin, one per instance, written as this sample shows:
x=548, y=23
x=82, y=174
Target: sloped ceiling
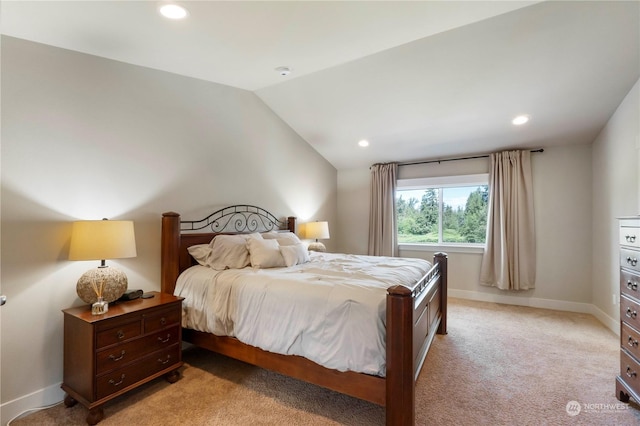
x=418, y=79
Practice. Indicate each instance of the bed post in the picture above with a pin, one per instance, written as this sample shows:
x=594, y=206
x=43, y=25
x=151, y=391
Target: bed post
x=441, y=260
x=400, y=381
x=291, y=224
x=170, y=246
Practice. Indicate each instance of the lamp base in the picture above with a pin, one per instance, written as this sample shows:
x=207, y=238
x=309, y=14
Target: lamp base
x=317, y=246
x=114, y=284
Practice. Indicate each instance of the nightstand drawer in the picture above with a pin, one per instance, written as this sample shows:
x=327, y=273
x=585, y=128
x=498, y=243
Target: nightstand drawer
x=120, y=355
x=630, y=284
x=127, y=376
x=159, y=320
x=629, y=339
x=119, y=333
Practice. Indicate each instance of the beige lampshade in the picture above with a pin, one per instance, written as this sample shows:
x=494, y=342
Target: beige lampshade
x=101, y=240
x=317, y=230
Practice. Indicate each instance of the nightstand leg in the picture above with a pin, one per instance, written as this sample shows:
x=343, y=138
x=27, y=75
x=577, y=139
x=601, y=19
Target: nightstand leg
x=173, y=376
x=69, y=401
x=95, y=415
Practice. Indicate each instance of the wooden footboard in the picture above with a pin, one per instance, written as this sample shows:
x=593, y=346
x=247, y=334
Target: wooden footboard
x=414, y=315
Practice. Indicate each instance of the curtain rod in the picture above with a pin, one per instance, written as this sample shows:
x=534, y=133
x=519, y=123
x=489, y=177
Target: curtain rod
x=455, y=159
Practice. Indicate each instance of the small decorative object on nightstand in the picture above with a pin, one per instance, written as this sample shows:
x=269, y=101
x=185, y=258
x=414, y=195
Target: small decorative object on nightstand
x=106, y=356
x=317, y=231
x=101, y=240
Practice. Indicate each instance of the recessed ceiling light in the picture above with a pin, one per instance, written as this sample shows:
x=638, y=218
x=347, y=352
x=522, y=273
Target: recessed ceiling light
x=283, y=71
x=363, y=143
x=521, y=119
x=173, y=11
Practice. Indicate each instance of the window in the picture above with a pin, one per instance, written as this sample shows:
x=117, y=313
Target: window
x=447, y=210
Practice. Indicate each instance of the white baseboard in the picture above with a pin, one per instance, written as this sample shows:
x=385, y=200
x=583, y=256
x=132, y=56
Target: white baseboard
x=40, y=398
x=558, y=305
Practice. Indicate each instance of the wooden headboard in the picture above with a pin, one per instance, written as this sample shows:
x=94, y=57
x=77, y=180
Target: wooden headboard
x=178, y=235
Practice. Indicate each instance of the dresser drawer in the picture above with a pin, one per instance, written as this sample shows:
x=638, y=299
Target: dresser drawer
x=629, y=236
x=125, y=353
x=162, y=319
x=124, y=377
x=629, y=370
x=630, y=311
x=629, y=339
x=629, y=259
x=119, y=333
x=630, y=284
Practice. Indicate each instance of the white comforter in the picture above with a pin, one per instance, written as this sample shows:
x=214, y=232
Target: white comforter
x=330, y=310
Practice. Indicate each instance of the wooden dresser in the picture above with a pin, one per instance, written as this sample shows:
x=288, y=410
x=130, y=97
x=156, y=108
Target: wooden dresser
x=628, y=382
x=110, y=354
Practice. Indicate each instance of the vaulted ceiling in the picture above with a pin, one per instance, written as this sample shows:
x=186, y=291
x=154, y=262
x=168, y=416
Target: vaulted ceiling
x=417, y=79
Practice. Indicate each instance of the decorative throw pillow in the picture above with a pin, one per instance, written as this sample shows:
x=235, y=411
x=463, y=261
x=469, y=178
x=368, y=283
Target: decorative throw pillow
x=294, y=254
x=200, y=252
x=265, y=253
x=230, y=251
x=284, y=238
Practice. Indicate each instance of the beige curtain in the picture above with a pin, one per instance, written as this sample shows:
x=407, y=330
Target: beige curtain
x=509, y=260
x=382, y=210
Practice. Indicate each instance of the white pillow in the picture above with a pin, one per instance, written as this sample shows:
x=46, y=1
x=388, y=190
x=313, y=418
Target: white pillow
x=200, y=252
x=265, y=253
x=284, y=238
x=294, y=254
x=230, y=251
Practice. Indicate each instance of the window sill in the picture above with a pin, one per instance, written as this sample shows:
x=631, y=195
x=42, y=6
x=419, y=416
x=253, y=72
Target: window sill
x=452, y=248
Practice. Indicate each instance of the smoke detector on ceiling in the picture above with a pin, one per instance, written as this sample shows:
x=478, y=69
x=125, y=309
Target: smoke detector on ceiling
x=283, y=71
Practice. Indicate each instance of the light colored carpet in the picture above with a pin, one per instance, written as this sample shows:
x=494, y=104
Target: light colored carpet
x=499, y=365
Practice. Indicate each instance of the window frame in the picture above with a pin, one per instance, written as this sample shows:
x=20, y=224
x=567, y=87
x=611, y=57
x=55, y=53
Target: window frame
x=440, y=182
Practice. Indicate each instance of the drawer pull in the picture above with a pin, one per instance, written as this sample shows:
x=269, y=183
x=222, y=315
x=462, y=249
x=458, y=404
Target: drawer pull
x=161, y=340
x=120, y=334
x=631, y=314
x=632, y=261
x=632, y=342
x=164, y=361
x=632, y=286
x=630, y=238
x=114, y=383
x=112, y=357
x=163, y=321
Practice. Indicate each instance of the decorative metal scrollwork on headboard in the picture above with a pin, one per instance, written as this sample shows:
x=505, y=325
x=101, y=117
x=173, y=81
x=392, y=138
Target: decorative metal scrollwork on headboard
x=239, y=218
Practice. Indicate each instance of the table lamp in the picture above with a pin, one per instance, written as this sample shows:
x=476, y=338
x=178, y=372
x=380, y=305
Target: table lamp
x=317, y=231
x=101, y=240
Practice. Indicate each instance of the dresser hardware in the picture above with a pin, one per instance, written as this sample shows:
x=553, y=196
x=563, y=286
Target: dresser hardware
x=632, y=342
x=112, y=357
x=161, y=340
x=632, y=261
x=114, y=383
x=163, y=321
x=630, y=238
x=166, y=361
x=630, y=313
x=632, y=286
x=120, y=334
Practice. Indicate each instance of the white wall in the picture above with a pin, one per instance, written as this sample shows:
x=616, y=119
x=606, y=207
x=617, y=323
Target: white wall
x=616, y=156
x=562, y=193
x=85, y=138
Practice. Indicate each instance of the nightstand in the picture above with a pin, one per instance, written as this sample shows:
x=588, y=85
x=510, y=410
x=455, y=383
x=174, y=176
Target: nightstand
x=108, y=355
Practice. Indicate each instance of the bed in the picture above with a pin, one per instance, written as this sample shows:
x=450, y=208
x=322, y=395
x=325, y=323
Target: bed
x=414, y=313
